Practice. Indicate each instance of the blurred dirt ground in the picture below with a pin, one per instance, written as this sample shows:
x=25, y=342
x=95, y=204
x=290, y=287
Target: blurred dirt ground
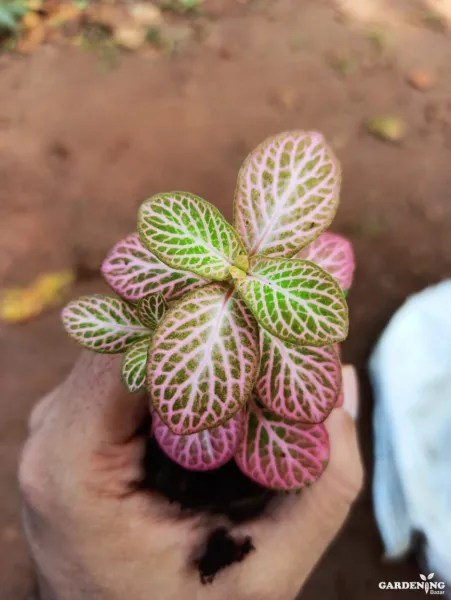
x=82, y=143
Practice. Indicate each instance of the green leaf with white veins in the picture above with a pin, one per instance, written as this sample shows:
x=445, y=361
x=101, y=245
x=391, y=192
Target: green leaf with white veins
x=133, y=366
x=188, y=233
x=295, y=300
x=103, y=324
x=151, y=309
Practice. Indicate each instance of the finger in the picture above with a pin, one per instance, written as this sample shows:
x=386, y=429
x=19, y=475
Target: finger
x=327, y=503
x=40, y=410
x=94, y=403
x=300, y=529
x=350, y=391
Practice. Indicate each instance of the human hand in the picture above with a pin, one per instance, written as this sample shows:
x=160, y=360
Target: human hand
x=92, y=535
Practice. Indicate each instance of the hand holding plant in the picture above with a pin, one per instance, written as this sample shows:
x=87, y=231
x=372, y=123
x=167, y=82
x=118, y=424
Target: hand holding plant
x=94, y=534
x=233, y=329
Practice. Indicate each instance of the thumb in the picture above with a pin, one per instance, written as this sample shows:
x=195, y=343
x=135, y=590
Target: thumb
x=302, y=527
x=335, y=491
x=94, y=405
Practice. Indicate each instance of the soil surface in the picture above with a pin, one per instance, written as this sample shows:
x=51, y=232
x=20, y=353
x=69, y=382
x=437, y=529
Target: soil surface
x=82, y=143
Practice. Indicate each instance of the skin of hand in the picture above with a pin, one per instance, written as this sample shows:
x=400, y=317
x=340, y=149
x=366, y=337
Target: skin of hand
x=93, y=538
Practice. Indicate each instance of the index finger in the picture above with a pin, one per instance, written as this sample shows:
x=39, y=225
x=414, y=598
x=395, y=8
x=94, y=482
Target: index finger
x=93, y=402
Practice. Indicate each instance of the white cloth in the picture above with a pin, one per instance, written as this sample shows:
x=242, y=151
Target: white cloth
x=410, y=370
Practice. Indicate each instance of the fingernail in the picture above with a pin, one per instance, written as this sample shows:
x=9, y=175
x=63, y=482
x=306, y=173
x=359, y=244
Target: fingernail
x=350, y=391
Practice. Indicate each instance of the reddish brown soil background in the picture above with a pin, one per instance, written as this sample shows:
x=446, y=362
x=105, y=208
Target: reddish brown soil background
x=81, y=145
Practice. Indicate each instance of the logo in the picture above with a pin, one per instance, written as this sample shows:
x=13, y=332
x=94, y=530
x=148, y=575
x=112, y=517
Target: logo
x=426, y=579
x=426, y=583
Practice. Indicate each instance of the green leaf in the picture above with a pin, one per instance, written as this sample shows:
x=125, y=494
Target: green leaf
x=103, y=324
x=287, y=193
x=295, y=300
x=190, y=234
x=151, y=310
x=203, y=359
x=133, y=366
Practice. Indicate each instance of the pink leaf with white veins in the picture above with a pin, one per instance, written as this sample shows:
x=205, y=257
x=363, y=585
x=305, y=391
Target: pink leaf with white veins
x=203, y=359
x=334, y=254
x=202, y=451
x=281, y=455
x=132, y=271
x=298, y=383
x=287, y=193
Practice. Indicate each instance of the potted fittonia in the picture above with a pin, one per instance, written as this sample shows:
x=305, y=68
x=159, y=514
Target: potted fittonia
x=233, y=330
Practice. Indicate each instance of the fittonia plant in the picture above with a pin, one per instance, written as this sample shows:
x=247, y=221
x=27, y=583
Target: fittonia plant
x=233, y=330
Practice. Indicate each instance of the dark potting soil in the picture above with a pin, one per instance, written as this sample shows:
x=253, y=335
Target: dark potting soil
x=220, y=551
x=224, y=491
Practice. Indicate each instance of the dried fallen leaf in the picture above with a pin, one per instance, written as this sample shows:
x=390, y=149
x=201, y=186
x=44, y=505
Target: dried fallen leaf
x=34, y=4
x=21, y=304
x=421, y=79
x=388, y=128
x=32, y=39
x=63, y=14
x=130, y=37
x=147, y=15
x=31, y=20
x=33, y=32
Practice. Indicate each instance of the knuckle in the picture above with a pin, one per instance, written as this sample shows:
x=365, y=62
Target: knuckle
x=338, y=490
x=32, y=478
x=349, y=485
x=345, y=472
x=343, y=489
x=40, y=411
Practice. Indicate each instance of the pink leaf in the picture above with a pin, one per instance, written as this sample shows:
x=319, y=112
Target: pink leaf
x=132, y=271
x=281, y=455
x=334, y=254
x=202, y=451
x=203, y=359
x=298, y=383
x=287, y=193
